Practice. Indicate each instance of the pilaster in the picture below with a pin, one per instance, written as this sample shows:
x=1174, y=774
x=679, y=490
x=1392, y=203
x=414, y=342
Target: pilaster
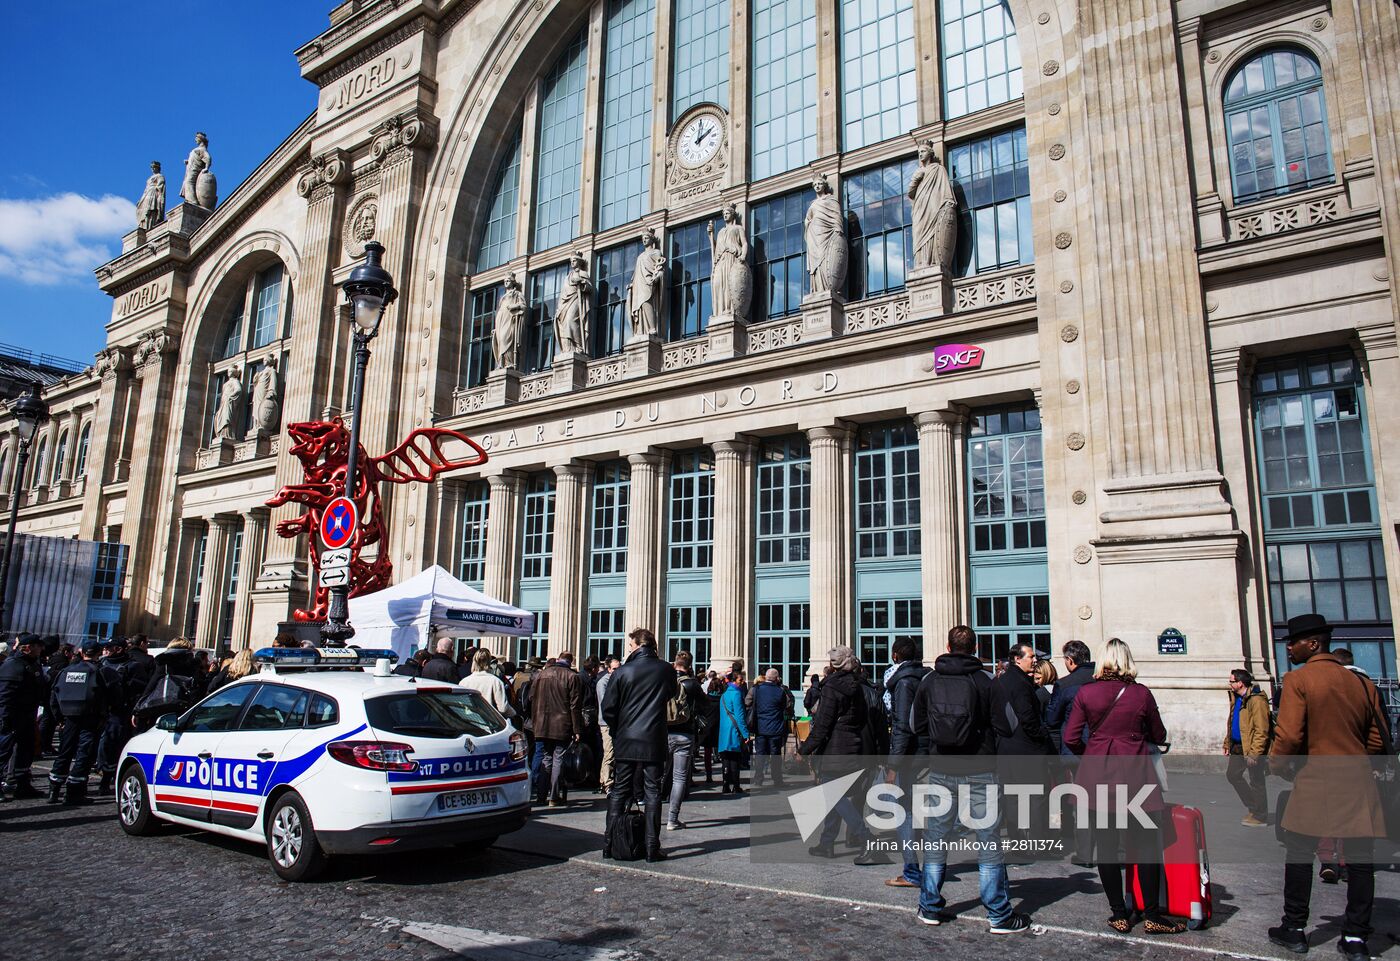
x=828, y=78
x=732, y=577
x=941, y=528
x=507, y=491
x=566, y=579
x=113, y=365
x=831, y=570
x=645, y=517
x=156, y=374
x=1381, y=357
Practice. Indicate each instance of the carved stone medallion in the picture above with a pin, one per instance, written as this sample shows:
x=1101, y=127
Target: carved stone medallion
x=361, y=224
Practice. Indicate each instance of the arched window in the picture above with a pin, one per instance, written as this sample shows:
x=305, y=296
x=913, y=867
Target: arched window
x=5, y=469
x=80, y=461
x=255, y=334
x=41, y=463
x=1276, y=117
x=60, y=455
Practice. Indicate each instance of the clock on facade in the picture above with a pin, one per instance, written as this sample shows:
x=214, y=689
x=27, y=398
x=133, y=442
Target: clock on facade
x=699, y=140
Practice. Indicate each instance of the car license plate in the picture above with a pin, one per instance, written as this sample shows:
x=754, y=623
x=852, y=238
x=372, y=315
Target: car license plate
x=466, y=800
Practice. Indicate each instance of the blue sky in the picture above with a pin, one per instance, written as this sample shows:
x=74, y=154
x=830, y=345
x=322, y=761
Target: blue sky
x=97, y=90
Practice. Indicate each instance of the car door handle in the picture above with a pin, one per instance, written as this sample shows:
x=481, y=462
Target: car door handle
x=265, y=755
x=206, y=755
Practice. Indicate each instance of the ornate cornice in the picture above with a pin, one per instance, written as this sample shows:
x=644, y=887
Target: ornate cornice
x=317, y=179
x=398, y=136
x=364, y=55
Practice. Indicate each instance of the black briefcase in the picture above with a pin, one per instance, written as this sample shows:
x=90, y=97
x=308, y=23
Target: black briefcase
x=627, y=837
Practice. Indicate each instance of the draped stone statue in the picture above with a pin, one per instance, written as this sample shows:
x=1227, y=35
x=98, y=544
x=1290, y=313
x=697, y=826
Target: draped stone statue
x=825, y=231
x=730, y=280
x=509, y=322
x=199, y=187
x=644, y=296
x=150, y=209
x=571, y=320
x=935, y=213
x=267, y=398
x=226, y=415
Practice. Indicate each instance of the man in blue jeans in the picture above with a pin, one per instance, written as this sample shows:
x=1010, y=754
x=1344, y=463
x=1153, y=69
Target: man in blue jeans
x=770, y=708
x=952, y=715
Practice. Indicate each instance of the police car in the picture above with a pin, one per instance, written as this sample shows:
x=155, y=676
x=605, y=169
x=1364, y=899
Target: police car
x=325, y=752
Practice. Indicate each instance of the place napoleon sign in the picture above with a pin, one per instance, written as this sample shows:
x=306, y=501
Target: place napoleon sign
x=1171, y=641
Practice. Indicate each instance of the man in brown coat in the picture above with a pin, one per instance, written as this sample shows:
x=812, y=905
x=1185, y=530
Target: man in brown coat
x=556, y=699
x=1334, y=718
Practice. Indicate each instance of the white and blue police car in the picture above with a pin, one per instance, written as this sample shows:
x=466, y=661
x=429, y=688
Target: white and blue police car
x=325, y=752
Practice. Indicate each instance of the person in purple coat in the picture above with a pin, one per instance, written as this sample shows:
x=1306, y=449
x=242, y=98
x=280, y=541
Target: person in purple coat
x=1112, y=725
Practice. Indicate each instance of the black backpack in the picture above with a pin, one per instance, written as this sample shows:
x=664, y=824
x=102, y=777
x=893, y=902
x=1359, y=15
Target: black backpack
x=953, y=708
x=876, y=721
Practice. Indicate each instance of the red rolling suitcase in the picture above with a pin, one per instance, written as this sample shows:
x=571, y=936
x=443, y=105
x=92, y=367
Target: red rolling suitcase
x=1185, y=869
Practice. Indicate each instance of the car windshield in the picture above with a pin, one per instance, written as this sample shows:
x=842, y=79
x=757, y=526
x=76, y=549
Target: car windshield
x=434, y=714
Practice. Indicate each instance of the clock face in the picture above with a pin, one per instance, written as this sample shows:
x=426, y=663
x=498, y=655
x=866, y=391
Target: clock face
x=699, y=140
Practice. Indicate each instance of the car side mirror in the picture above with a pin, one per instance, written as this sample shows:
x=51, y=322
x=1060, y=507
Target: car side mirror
x=168, y=722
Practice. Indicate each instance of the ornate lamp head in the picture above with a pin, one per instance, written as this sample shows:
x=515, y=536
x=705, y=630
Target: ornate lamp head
x=370, y=288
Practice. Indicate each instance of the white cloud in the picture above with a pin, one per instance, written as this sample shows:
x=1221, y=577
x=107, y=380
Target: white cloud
x=60, y=239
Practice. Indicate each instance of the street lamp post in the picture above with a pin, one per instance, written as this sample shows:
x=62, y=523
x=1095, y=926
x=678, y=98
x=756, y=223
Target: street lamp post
x=369, y=289
x=31, y=413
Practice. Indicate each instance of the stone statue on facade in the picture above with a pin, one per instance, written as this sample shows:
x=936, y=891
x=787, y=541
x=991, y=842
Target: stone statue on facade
x=199, y=188
x=150, y=209
x=509, y=322
x=644, y=296
x=730, y=280
x=825, y=232
x=935, y=213
x=267, y=398
x=571, y=320
x=226, y=415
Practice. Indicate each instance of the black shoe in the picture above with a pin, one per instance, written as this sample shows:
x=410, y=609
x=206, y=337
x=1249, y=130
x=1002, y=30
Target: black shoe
x=822, y=851
x=1353, y=949
x=870, y=857
x=55, y=792
x=24, y=791
x=104, y=786
x=77, y=795
x=655, y=855
x=1291, y=938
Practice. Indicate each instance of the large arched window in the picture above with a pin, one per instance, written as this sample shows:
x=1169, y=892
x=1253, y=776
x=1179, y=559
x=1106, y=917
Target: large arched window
x=1276, y=118
x=80, y=459
x=255, y=333
x=60, y=455
x=38, y=473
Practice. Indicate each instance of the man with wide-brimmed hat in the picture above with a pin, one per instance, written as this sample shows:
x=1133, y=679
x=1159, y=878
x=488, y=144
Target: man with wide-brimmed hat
x=1335, y=719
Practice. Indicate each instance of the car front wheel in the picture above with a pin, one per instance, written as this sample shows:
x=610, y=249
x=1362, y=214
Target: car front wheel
x=134, y=803
x=295, y=853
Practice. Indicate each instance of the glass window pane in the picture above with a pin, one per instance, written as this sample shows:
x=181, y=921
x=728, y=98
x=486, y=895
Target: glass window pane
x=559, y=158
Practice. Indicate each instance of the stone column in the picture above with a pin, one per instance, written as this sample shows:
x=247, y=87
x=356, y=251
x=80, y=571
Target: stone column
x=566, y=578
x=139, y=533
x=732, y=577
x=309, y=389
x=592, y=122
x=831, y=587
x=179, y=585
x=645, y=522
x=941, y=527
x=660, y=109
x=503, y=544
x=215, y=580
x=740, y=51
x=250, y=566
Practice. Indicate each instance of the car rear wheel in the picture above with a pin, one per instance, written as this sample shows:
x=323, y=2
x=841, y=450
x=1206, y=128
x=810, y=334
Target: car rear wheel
x=134, y=803
x=292, y=847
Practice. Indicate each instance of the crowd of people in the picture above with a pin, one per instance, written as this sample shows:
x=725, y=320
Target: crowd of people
x=642, y=730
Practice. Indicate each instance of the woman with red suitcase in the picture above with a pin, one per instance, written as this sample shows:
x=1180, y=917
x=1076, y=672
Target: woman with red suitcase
x=1123, y=722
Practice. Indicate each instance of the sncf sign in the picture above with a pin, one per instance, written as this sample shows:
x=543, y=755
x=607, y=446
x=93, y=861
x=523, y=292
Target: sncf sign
x=956, y=358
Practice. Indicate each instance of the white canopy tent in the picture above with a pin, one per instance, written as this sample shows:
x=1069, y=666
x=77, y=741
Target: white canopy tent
x=402, y=617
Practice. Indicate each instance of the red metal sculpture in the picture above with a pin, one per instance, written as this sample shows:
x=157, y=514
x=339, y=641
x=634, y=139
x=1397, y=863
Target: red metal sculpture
x=323, y=448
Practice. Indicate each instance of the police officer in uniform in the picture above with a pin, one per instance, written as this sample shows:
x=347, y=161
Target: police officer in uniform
x=122, y=678
x=22, y=690
x=81, y=695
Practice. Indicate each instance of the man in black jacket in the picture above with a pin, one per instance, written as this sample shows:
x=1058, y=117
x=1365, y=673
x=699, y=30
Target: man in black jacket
x=840, y=735
x=634, y=707
x=22, y=690
x=441, y=667
x=82, y=696
x=905, y=746
x=1079, y=670
x=952, y=711
x=1023, y=743
x=116, y=727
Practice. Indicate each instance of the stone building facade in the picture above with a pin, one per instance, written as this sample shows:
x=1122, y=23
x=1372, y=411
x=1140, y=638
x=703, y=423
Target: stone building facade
x=1148, y=393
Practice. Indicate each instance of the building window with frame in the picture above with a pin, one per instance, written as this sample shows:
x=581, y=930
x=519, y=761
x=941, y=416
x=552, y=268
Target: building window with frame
x=1001, y=620
x=545, y=287
x=690, y=269
x=692, y=513
x=559, y=147
x=267, y=303
x=536, y=644
x=783, y=118
x=476, y=511
x=60, y=455
x=991, y=178
x=785, y=501
x=612, y=275
x=700, y=66
x=257, y=333
x=538, y=556
x=624, y=177
x=881, y=218
x=1276, y=124
x=779, y=255
x=498, y=236
x=107, y=574
x=612, y=488
x=38, y=474
x=688, y=629
x=878, y=85
x=80, y=459
x=477, y=357
x=882, y=622
x=784, y=639
x=606, y=632
x=230, y=594
x=196, y=585
x=887, y=491
x=981, y=56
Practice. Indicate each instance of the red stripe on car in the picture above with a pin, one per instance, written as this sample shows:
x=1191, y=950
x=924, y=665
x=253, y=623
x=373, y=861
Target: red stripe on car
x=435, y=787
